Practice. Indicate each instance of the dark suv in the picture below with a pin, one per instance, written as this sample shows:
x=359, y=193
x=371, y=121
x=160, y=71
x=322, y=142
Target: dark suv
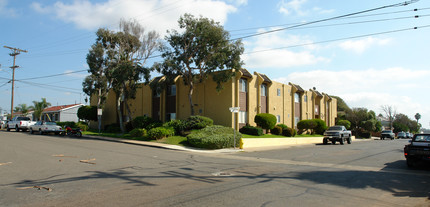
x=387, y=134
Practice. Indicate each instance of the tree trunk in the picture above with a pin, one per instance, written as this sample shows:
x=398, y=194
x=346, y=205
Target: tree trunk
x=126, y=105
x=190, y=97
x=99, y=117
x=121, y=125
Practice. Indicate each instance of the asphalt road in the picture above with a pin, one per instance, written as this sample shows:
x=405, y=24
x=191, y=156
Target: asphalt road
x=87, y=172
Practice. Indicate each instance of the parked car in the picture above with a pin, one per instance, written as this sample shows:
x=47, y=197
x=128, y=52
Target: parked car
x=387, y=134
x=409, y=135
x=402, y=135
x=337, y=133
x=418, y=150
x=45, y=127
x=19, y=123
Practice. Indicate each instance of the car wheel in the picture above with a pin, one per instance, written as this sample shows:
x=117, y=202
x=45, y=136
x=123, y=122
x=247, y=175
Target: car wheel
x=341, y=141
x=79, y=134
x=348, y=140
x=8, y=129
x=410, y=162
x=333, y=141
x=40, y=132
x=325, y=141
x=16, y=128
x=31, y=131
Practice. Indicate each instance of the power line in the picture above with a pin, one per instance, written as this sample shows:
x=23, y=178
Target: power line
x=340, y=39
x=48, y=76
x=328, y=19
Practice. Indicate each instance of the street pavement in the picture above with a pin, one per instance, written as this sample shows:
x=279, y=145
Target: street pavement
x=40, y=170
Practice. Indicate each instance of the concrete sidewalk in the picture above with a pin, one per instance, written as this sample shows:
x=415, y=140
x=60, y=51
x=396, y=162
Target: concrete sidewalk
x=265, y=144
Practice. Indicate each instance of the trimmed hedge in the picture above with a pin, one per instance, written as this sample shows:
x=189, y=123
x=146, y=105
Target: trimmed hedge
x=66, y=123
x=320, y=127
x=214, y=137
x=198, y=122
x=160, y=132
x=265, y=121
x=82, y=125
x=305, y=125
x=145, y=122
x=251, y=130
x=277, y=130
x=345, y=123
x=289, y=132
x=112, y=128
x=178, y=125
x=138, y=132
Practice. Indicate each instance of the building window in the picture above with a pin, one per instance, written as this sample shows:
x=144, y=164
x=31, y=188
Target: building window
x=296, y=120
x=306, y=98
x=297, y=97
x=243, y=86
x=263, y=90
x=243, y=116
x=170, y=116
x=171, y=90
x=156, y=93
x=279, y=92
x=278, y=118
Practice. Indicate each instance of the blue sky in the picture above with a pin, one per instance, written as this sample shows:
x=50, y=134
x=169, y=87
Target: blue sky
x=388, y=65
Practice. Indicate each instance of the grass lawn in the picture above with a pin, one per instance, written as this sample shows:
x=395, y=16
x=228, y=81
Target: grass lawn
x=174, y=140
x=279, y=136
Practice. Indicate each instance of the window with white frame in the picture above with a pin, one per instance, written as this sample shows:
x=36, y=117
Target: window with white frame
x=297, y=97
x=278, y=118
x=243, y=85
x=306, y=98
x=263, y=90
x=279, y=92
x=243, y=117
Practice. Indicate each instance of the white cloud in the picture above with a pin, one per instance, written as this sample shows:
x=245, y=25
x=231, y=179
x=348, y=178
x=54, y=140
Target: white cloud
x=287, y=7
x=158, y=15
x=403, y=88
x=261, y=52
x=6, y=11
x=359, y=46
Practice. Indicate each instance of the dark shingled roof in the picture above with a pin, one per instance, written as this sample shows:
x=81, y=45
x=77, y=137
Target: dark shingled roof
x=246, y=73
x=318, y=94
x=265, y=78
x=299, y=89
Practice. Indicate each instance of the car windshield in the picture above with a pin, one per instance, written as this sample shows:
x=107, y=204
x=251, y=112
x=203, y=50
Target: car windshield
x=335, y=128
x=23, y=119
x=422, y=138
x=386, y=131
x=50, y=123
x=401, y=133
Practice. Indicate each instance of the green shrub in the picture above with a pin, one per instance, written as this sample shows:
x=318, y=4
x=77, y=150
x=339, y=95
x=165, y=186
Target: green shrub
x=145, y=122
x=66, y=123
x=320, y=126
x=283, y=126
x=112, y=128
x=137, y=132
x=214, y=137
x=178, y=125
x=289, y=132
x=198, y=122
x=305, y=125
x=87, y=113
x=82, y=125
x=160, y=132
x=345, y=123
x=277, y=130
x=265, y=121
x=251, y=130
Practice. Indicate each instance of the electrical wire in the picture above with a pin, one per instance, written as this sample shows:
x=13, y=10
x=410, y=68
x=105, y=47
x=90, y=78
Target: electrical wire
x=48, y=76
x=52, y=87
x=340, y=39
x=327, y=19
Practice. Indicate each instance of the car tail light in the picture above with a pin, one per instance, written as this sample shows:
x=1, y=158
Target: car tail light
x=406, y=154
x=20, y=123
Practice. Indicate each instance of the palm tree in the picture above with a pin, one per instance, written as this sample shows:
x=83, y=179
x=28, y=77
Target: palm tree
x=23, y=108
x=417, y=117
x=39, y=106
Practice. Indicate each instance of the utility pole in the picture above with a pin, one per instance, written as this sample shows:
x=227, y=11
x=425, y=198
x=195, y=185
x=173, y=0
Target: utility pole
x=16, y=51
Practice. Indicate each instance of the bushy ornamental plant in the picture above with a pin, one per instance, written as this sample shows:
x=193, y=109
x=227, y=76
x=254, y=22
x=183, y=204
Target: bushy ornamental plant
x=137, y=132
x=320, y=127
x=160, y=132
x=214, y=137
x=277, y=130
x=289, y=132
x=198, y=122
x=251, y=130
x=265, y=120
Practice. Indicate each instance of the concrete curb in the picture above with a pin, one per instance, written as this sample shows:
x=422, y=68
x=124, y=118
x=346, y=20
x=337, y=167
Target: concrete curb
x=262, y=144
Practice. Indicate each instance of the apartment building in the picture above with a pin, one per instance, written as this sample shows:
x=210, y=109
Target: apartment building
x=253, y=93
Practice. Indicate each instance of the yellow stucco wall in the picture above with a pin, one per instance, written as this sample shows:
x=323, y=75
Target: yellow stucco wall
x=208, y=102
